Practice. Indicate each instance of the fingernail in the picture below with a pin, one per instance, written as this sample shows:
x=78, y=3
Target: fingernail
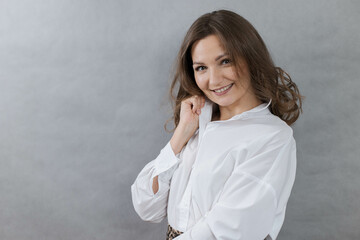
x=198, y=111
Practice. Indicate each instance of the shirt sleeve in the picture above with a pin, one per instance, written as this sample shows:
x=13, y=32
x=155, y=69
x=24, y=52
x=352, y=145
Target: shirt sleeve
x=248, y=204
x=149, y=206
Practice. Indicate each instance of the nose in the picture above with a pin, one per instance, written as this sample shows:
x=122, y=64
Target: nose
x=214, y=78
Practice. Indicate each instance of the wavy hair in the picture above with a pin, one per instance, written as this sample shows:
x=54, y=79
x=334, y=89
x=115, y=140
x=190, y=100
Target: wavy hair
x=241, y=40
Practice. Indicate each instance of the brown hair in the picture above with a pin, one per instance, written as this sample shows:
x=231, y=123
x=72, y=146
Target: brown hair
x=241, y=41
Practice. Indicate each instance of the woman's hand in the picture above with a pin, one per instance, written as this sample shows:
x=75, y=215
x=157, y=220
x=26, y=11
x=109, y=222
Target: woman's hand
x=189, y=113
x=189, y=121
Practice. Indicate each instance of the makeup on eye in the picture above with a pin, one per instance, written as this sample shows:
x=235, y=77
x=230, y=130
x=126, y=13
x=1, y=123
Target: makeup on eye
x=225, y=61
x=200, y=68
x=222, y=62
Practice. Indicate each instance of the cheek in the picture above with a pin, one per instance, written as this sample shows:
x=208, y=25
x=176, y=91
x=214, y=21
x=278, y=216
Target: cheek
x=201, y=82
x=230, y=73
x=241, y=80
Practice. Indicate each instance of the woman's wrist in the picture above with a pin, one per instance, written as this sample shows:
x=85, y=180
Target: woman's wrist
x=180, y=138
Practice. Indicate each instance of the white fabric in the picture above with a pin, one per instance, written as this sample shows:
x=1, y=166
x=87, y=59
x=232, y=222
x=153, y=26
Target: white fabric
x=231, y=181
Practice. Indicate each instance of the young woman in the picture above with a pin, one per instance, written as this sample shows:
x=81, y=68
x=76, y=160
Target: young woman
x=229, y=168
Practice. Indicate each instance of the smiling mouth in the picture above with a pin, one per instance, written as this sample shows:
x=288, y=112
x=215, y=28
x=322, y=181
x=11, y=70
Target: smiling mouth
x=219, y=90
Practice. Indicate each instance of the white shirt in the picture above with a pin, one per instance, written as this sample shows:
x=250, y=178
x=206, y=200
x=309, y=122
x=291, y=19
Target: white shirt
x=232, y=180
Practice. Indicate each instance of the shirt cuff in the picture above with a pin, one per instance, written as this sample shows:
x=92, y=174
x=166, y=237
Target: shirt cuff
x=166, y=163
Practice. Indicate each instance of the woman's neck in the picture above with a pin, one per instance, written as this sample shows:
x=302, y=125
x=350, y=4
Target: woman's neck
x=217, y=114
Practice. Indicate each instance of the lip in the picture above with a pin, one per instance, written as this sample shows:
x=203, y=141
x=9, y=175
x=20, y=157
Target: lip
x=221, y=87
x=222, y=93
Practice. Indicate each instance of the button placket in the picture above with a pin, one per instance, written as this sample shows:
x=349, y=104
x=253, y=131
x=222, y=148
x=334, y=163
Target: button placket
x=185, y=203
x=184, y=214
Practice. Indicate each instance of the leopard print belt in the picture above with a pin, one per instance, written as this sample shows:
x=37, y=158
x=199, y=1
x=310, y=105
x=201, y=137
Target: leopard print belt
x=172, y=233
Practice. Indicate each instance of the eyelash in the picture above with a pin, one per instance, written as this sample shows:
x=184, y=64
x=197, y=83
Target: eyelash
x=222, y=63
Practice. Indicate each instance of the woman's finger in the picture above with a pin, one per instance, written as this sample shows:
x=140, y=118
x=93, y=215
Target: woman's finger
x=199, y=106
x=187, y=103
x=194, y=104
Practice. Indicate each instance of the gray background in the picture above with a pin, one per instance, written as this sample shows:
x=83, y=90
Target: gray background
x=83, y=102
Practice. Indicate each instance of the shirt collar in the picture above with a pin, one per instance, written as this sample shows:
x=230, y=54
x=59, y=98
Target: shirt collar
x=206, y=113
x=260, y=109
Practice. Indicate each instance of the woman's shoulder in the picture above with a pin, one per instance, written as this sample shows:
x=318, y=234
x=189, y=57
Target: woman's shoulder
x=270, y=127
x=280, y=127
x=269, y=132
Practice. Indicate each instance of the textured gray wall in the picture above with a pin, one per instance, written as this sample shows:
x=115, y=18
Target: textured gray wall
x=83, y=101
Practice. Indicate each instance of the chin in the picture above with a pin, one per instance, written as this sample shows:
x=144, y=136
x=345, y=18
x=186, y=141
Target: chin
x=223, y=102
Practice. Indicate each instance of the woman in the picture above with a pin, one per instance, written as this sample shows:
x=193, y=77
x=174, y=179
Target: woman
x=229, y=168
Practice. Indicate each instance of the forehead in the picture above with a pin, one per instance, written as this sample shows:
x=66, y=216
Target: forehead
x=207, y=48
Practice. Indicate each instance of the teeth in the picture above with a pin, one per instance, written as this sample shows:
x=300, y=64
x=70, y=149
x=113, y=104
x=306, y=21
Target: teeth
x=223, y=89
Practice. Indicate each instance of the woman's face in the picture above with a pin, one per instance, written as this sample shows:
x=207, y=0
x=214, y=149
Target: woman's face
x=215, y=74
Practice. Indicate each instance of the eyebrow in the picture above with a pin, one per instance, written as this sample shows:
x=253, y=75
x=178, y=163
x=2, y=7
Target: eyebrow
x=217, y=58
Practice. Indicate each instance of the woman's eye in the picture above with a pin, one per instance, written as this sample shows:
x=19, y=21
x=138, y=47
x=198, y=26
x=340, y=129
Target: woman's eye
x=225, y=61
x=200, y=68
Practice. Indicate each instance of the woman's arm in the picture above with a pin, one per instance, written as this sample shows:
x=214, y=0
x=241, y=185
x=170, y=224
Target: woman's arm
x=177, y=142
x=188, y=124
x=151, y=188
x=151, y=205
